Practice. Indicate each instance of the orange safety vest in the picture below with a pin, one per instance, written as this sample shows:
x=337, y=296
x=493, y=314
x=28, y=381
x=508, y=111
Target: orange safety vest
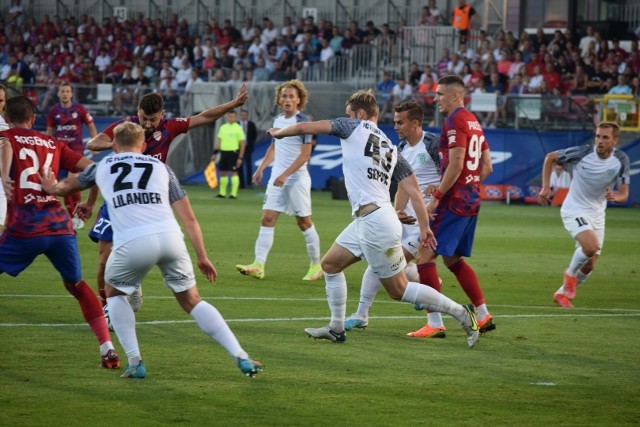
x=461, y=17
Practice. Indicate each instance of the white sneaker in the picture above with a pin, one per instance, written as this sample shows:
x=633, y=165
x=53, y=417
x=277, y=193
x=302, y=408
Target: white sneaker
x=78, y=224
x=325, y=333
x=135, y=299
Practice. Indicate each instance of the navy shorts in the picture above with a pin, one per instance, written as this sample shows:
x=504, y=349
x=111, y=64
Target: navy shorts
x=62, y=250
x=101, y=229
x=454, y=233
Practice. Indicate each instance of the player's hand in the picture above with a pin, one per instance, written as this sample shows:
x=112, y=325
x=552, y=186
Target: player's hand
x=405, y=218
x=215, y=158
x=428, y=240
x=242, y=96
x=544, y=197
x=257, y=178
x=429, y=190
x=279, y=181
x=273, y=132
x=610, y=195
x=431, y=208
x=48, y=180
x=207, y=268
x=83, y=211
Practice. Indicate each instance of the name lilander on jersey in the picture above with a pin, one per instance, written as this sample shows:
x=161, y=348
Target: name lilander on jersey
x=137, y=198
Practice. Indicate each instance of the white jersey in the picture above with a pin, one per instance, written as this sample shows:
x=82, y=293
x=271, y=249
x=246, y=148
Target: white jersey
x=369, y=162
x=424, y=159
x=591, y=178
x=139, y=191
x=287, y=150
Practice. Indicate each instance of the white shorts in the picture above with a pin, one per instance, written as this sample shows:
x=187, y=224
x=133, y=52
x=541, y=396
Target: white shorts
x=289, y=199
x=376, y=237
x=129, y=264
x=411, y=238
x=577, y=223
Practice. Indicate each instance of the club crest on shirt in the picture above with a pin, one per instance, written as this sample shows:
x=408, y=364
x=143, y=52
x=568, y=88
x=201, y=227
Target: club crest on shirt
x=157, y=135
x=422, y=158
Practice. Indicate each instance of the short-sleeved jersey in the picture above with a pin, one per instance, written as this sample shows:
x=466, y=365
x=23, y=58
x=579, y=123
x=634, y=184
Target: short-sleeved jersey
x=369, y=162
x=32, y=212
x=230, y=136
x=139, y=191
x=424, y=159
x=591, y=178
x=287, y=150
x=462, y=129
x=158, y=141
x=67, y=124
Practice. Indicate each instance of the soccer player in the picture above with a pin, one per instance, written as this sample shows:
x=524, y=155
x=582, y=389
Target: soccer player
x=37, y=224
x=141, y=191
x=3, y=126
x=64, y=122
x=370, y=162
x=289, y=187
x=420, y=149
x=466, y=162
x=230, y=146
x=597, y=169
x=159, y=134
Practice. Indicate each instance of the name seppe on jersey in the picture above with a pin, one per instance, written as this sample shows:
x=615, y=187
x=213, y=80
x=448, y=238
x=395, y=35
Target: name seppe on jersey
x=32, y=212
x=462, y=129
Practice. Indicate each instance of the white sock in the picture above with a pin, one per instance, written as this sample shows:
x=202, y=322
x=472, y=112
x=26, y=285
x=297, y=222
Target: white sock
x=368, y=290
x=105, y=347
x=578, y=259
x=482, y=311
x=434, y=319
x=582, y=277
x=430, y=299
x=264, y=243
x=123, y=321
x=336, y=287
x=313, y=244
x=411, y=271
x=211, y=322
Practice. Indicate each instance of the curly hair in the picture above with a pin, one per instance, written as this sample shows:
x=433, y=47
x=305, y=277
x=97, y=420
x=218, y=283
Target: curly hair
x=151, y=103
x=297, y=85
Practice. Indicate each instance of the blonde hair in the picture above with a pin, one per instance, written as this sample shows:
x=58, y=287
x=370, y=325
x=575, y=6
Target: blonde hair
x=365, y=100
x=615, y=128
x=128, y=134
x=297, y=85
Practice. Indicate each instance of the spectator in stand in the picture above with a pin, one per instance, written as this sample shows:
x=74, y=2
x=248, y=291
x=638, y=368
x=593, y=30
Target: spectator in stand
x=425, y=18
x=494, y=86
x=401, y=92
x=442, y=66
x=183, y=74
x=336, y=40
x=326, y=54
x=348, y=42
x=535, y=85
x=504, y=64
x=518, y=86
x=269, y=30
x=233, y=31
x=414, y=75
x=260, y=72
x=463, y=17
x=466, y=53
x=477, y=75
x=586, y=40
x=356, y=31
x=465, y=75
x=384, y=94
x=552, y=78
x=256, y=49
x=248, y=31
x=622, y=88
x=456, y=64
x=580, y=82
x=516, y=66
x=288, y=27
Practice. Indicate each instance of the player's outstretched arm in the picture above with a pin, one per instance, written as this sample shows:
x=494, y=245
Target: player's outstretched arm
x=65, y=187
x=545, y=192
x=184, y=211
x=100, y=142
x=212, y=114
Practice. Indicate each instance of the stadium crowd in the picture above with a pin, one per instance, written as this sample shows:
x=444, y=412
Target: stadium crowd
x=142, y=54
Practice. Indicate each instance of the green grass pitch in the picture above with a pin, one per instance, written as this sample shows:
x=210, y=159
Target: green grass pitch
x=542, y=366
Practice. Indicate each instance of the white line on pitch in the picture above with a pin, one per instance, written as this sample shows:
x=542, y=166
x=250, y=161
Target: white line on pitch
x=300, y=319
